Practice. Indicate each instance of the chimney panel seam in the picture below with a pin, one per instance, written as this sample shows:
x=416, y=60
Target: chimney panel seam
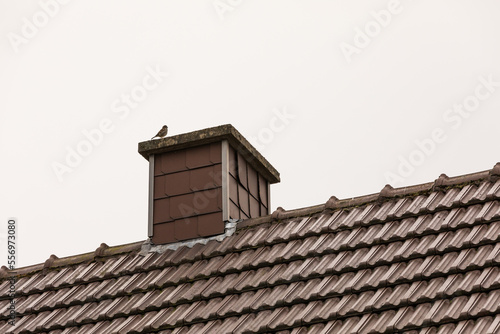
x=188, y=193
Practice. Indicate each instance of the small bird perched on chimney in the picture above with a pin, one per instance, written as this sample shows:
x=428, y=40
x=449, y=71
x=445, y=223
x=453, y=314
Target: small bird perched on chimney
x=162, y=133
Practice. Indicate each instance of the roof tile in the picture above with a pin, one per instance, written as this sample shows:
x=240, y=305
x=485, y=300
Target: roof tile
x=431, y=202
x=447, y=200
x=350, y=219
x=474, y=304
x=383, y=212
x=336, y=219
x=489, y=278
x=493, y=232
x=494, y=191
x=366, y=216
x=494, y=328
x=492, y=304
x=320, y=225
x=468, y=282
x=399, y=208
x=470, y=215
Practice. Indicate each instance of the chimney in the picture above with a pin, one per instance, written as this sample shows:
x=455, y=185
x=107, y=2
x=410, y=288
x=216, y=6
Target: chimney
x=202, y=179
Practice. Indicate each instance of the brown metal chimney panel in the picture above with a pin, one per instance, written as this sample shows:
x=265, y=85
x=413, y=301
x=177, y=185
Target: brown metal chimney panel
x=202, y=179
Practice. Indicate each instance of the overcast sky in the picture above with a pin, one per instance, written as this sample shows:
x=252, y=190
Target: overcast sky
x=341, y=97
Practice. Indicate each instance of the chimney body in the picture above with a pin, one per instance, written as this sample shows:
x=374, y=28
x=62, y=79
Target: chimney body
x=200, y=180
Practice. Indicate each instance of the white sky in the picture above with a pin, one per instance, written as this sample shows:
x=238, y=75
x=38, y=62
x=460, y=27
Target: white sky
x=235, y=62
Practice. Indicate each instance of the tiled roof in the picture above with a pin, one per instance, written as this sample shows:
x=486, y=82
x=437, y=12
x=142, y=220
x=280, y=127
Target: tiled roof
x=422, y=259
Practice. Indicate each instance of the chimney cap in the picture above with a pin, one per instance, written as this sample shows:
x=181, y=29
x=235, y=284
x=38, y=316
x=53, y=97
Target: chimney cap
x=210, y=135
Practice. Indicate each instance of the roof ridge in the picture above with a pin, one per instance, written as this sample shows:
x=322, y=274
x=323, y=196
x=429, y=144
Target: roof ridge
x=53, y=261
x=388, y=192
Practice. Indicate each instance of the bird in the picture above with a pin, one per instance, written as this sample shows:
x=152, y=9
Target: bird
x=162, y=133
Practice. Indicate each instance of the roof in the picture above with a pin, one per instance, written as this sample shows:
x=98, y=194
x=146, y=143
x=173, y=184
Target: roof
x=421, y=259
